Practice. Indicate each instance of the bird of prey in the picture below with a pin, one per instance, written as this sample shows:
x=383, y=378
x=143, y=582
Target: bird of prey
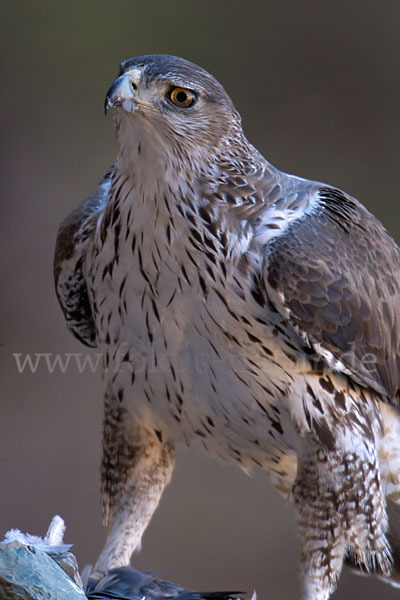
x=251, y=310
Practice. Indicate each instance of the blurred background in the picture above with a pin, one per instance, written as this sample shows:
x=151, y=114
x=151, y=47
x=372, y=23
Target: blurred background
x=318, y=86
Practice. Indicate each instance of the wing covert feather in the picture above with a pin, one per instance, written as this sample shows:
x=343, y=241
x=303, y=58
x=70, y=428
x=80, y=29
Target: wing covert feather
x=74, y=233
x=336, y=274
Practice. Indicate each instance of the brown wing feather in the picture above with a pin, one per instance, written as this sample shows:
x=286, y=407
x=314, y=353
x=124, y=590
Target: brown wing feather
x=336, y=272
x=72, y=239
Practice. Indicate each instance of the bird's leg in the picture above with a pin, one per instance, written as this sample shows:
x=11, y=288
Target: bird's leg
x=136, y=467
x=340, y=509
x=322, y=541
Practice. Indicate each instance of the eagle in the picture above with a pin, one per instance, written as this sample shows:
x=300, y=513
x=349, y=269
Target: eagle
x=251, y=311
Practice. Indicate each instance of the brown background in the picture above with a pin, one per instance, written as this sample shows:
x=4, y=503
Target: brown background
x=318, y=86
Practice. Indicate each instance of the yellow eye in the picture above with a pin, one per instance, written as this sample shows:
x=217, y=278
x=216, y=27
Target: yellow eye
x=182, y=97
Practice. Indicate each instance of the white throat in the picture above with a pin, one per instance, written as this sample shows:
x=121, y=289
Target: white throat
x=143, y=154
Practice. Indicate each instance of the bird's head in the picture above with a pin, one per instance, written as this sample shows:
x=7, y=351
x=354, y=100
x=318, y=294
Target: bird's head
x=168, y=109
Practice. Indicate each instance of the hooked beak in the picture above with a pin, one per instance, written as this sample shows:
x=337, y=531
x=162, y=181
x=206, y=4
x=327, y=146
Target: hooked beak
x=124, y=92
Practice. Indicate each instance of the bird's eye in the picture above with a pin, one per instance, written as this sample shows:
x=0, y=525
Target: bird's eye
x=182, y=97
